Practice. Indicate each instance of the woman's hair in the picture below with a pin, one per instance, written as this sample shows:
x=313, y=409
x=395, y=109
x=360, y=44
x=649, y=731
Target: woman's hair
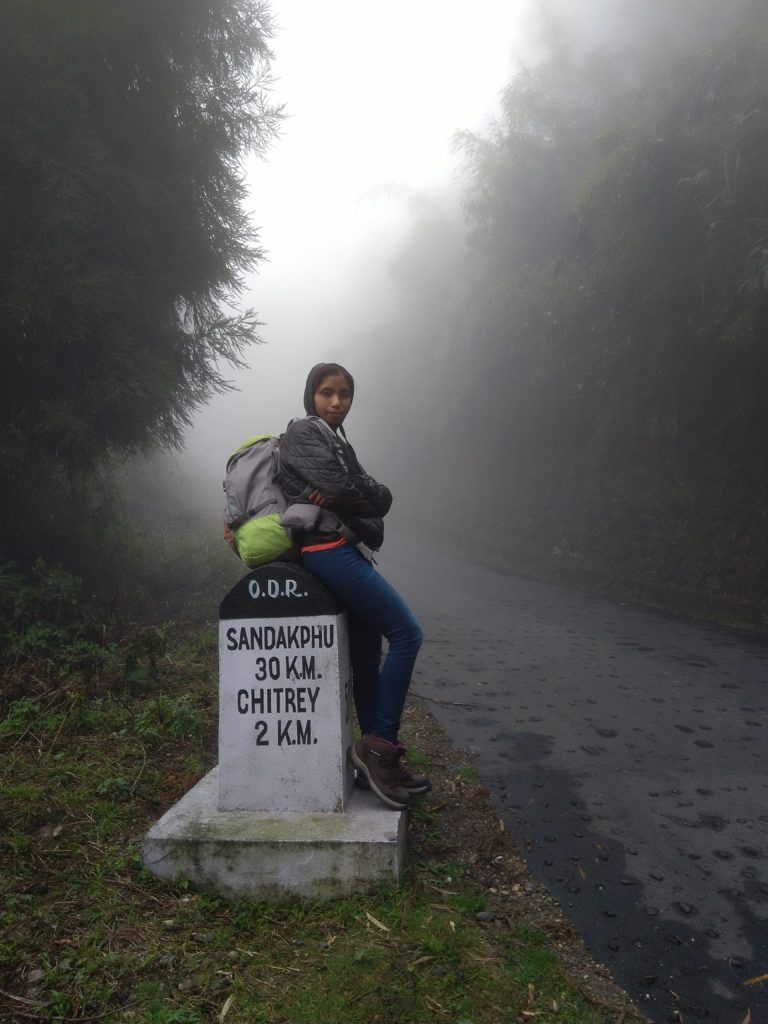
x=316, y=377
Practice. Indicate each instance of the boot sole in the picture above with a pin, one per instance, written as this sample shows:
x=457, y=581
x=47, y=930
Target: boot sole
x=419, y=790
x=388, y=800
x=361, y=781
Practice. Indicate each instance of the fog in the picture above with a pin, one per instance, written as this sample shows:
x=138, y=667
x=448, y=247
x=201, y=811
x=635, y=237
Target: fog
x=373, y=98
x=372, y=103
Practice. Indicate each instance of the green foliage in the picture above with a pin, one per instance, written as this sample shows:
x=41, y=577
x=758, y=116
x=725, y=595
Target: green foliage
x=124, y=129
x=179, y=1015
x=57, y=652
x=47, y=612
x=26, y=713
x=175, y=716
x=49, y=622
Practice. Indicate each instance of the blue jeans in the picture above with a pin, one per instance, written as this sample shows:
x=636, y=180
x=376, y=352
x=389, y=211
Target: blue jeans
x=375, y=610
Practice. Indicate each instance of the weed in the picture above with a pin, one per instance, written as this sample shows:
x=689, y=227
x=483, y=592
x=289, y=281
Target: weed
x=446, y=872
x=114, y=787
x=468, y=773
x=469, y=902
x=21, y=716
x=180, y=1015
x=164, y=714
x=418, y=761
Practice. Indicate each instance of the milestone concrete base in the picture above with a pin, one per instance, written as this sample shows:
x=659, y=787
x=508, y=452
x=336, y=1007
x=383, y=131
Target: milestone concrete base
x=269, y=854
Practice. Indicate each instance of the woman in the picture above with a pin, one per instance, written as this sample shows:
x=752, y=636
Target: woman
x=319, y=466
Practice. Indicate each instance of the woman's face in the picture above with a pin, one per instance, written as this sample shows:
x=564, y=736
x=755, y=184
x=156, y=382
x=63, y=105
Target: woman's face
x=333, y=399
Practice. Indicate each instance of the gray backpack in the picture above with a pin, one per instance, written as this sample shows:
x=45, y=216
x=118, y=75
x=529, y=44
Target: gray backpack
x=255, y=501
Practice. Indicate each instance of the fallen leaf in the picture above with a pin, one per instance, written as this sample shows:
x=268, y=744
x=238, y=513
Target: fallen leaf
x=501, y=824
x=421, y=960
x=434, y=1004
x=531, y=994
x=582, y=873
x=755, y=981
x=748, y=1017
x=226, y=1008
x=375, y=921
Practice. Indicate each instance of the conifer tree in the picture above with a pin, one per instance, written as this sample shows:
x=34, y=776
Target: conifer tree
x=123, y=236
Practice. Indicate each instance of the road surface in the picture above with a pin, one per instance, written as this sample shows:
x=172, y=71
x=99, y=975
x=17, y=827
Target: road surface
x=626, y=750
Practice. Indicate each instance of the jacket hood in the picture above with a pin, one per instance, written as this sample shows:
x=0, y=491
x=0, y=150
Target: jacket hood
x=316, y=374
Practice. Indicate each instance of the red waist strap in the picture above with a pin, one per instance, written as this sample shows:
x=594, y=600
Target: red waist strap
x=324, y=547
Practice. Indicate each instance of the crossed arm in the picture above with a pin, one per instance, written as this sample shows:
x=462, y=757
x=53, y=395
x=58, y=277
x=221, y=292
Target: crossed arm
x=311, y=453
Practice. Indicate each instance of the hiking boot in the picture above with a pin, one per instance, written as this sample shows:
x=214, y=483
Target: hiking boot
x=378, y=761
x=406, y=779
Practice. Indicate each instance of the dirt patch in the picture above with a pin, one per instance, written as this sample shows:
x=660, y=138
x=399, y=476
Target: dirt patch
x=462, y=827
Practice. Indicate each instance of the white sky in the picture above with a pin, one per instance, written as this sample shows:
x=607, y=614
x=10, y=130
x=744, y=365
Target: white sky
x=373, y=94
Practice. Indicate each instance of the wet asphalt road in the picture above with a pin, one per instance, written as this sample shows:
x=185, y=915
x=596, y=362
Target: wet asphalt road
x=626, y=750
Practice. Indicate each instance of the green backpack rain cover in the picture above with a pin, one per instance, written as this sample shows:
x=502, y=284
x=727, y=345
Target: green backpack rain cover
x=255, y=501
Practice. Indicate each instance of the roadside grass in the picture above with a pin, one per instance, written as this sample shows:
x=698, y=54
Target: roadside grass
x=86, y=934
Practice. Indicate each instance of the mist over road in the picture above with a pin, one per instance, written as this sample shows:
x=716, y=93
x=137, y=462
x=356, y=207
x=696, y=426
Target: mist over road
x=626, y=751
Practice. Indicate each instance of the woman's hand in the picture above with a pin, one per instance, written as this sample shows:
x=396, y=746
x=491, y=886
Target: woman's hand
x=316, y=498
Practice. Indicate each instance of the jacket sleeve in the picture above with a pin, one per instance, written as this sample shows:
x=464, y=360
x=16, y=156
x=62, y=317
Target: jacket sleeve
x=309, y=452
x=379, y=496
